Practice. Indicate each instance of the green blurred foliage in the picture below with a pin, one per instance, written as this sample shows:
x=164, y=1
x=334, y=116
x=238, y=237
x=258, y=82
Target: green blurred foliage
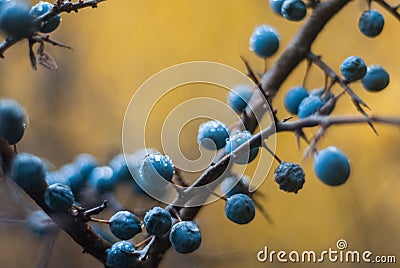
x=80, y=108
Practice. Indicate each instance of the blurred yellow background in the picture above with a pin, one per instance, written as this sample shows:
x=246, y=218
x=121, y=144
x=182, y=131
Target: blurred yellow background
x=80, y=108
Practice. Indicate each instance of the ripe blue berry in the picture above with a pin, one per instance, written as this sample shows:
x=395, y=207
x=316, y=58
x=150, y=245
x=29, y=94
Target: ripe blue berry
x=28, y=172
x=235, y=141
x=157, y=170
x=294, y=10
x=59, y=197
x=158, y=221
x=293, y=98
x=12, y=121
x=240, y=209
x=264, y=41
x=125, y=225
x=239, y=96
x=102, y=179
x=185, y=237
x=40, y=223
x=353, y=68
x=319, y=93
x=42, y=8
x=233, y=185
x=332, y=166
x=16, y=21
x=309, y=106
x=276, y=6
x=375, y=79
x=120, y=167
x=55, y=177
x=121, y=255
x=371, y=23
x=73, y=177
x=213, y=134
x=290, y=177
x=85, y=163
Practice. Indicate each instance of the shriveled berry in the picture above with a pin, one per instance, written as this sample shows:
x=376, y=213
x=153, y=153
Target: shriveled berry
x=185, y=237
x=125, y=225
x=240, y=209
x=353, y=68
x=158, y=221
x=290, y=177
x=59, y=197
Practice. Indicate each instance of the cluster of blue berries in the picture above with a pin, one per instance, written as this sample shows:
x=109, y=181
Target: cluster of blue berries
x=18, y=19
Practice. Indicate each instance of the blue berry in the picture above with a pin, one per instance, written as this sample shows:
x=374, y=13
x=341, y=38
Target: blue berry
x=290, y=177
x=28, y=172
x=213, y=134
x=102, y=179
x=233, y=185
x=353, y=68
x=264, y=41
x=235, y=141
x=85, y=163
x=53, y=177
x=309, y=106
x=375, y=79
x=239, y=96
x=325, y=98
x=294, y=10
x=293, y=98
x=125, y=225
x=332, y=166
x=51, y=24
x=40, y=223
x=371, y=23
x=158, y=221
x=240, y=209
x=185, y=237
x=157, y=170
x=73, y=177
x=16, y=21
x=120, y=167
x=276, y=6
x=12, y=121
x=59, y=197
x=121, y=255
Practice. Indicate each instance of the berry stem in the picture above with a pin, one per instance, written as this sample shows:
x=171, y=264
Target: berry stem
x=264, y=145
x=138, y=245
x=99, y=220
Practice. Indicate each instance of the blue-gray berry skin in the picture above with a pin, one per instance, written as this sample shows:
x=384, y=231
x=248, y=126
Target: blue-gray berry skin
x=120, y=167
x=120, y=255
x=51, y=24
x=125, y=225
x=185, y=237
x=332, y=166
x=40, y=223
x=85, y=163
x=234, y=185
x=294, y=10
x=375, y=79
x=293, y=98
x=276, y=6
x=53, y=177
x=59, y=197
x=235, y=141
x=158, y=221
x=12, y=121
x=353, y=68
x=309, y=106
x=213, y=134
x=28, y=171
x=325, y=98
x=157, y=170
x=371, y=23
x=290, y=177
x=16, y=21
x=240, y=209
x=239, y=97
x=73, y=177
x=102, y=179
x=264, y=41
